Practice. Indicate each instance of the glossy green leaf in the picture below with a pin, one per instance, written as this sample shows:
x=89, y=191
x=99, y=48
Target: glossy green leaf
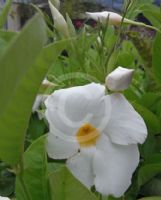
x=4, y=13
x=35, y=170
x=64, y=186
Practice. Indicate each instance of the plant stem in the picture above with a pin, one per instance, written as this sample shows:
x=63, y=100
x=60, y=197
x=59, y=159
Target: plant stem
x=126, y=21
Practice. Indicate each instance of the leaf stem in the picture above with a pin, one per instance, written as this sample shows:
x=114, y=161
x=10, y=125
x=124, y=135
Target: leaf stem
x=126, y=21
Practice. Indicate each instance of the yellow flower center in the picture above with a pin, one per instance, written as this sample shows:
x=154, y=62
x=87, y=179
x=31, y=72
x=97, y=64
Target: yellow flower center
x=87, y=135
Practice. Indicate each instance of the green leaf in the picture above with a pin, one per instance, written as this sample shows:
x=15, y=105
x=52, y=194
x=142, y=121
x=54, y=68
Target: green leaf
x=65, y=187
x=150, y=99
x=147, y=172
x=19, y=82
x=152, y=13
x=14, y=122
x=154, y=158
x=5, y=38
x=150, y=119
x=151, y=146
x=71, y=27
x=19, y=56
x=36, y=128
x=152, y=188
x=4, y=13
x=156, y=57
x=151, y=198
x=35, y=170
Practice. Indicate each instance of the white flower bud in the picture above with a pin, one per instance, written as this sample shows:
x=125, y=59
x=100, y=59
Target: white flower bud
x=99, y=41
x=104, y=17
x=56, y=3
x=59, y=21
x=119, y=79
x=47, y=83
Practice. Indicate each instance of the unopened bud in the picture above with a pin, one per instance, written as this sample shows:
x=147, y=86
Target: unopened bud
x=119, y=79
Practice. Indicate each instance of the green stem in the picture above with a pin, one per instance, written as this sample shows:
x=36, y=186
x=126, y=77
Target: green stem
x=126, y=21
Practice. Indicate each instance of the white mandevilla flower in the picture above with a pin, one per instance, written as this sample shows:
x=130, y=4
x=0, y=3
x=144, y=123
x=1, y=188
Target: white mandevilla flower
x=113, y=18
x=4, y=198
x=59, y=21
x=97, y=134
x=119, y=79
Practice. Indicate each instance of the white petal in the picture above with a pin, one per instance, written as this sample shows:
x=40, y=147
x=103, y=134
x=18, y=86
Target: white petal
x=68, y=109
x=101, y=113
x=80, y=166
x=119, y=79
x=114, y=166
x=126, y=126
x=60, y=148
x=114, y=18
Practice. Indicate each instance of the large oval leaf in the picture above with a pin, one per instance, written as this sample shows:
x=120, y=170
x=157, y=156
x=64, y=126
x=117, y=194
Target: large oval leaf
x=14, y=122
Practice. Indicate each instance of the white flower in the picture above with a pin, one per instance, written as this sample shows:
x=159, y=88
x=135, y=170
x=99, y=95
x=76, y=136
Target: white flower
x=97, y=134
x=4, y=198
x=119, y=79
x=113, y=18
x=59, y=21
